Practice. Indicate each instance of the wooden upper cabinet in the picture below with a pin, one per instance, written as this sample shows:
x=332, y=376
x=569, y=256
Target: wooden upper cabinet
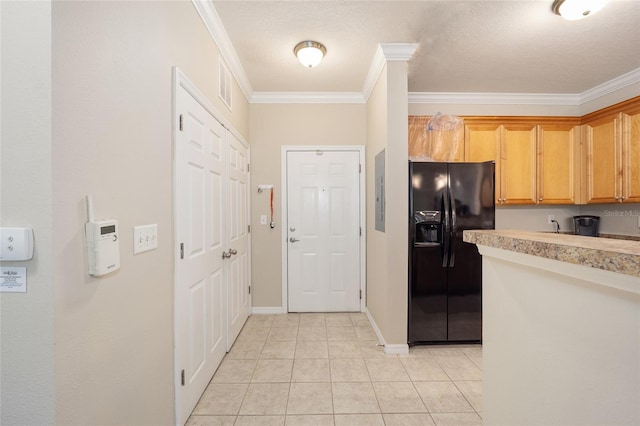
x=611, y=154
x=481, y=142
x=518, y=164
x=558, y=163
x=602, y=165
x=631, y=157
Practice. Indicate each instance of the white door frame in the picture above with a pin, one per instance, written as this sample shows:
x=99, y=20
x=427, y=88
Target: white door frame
x=285, y=220
x=180, y=80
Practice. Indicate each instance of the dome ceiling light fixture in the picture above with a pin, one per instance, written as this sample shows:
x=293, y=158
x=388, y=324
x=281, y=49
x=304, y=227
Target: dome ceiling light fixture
x=572, y=10
x=309, y=53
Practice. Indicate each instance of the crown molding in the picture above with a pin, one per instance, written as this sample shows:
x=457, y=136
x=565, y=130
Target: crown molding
x=398, y=51
x=307, y=98
x=493, y=98
x=386, y=52
x=625, y=80
x=212, y=22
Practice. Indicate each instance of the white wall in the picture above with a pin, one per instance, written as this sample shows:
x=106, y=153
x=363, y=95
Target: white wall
x=27, y=387
x=561, y=343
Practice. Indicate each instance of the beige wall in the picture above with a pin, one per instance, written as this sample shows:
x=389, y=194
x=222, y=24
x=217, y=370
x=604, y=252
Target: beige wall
x=272, y=126
x=387, y=251
x=27, y=387
x=377, y=268
x=79, y=350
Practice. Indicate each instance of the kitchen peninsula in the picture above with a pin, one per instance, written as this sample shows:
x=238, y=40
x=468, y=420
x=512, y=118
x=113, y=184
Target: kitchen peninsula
x=561, y=328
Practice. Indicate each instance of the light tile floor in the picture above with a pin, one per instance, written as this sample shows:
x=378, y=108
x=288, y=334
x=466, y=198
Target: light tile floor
x=327, y=369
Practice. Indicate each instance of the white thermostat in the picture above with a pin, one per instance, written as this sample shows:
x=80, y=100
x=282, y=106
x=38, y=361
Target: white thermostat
x=103, y=246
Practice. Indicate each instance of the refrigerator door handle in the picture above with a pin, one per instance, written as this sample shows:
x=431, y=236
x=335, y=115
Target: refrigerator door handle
x=446, y=230
x=452, y=235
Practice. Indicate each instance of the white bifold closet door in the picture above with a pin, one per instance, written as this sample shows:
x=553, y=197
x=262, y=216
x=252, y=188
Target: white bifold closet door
x=212, y=299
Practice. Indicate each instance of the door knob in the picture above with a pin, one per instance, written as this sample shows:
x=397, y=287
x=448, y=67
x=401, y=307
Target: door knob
x=292, y=228
x=233, y=251
x=226, y=255
x=293, y=240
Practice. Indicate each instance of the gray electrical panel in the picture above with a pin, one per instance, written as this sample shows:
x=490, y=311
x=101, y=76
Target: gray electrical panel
x=380, y=191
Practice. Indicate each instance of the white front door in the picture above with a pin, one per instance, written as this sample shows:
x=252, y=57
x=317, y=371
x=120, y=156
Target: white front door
x=237, y=228
x=200, y=294
x=323, y=231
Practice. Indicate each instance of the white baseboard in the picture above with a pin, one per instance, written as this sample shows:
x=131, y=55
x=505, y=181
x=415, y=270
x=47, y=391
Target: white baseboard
x=266, y=310
x=375, y=327
x=396, y=349
x=388, y=349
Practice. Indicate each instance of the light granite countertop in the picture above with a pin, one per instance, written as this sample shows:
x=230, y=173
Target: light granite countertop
x=609, y=254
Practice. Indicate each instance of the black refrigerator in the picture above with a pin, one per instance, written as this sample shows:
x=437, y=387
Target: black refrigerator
x=445, y=273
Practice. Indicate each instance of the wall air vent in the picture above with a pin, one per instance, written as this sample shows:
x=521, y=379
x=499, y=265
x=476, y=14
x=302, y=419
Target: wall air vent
x=224, y=82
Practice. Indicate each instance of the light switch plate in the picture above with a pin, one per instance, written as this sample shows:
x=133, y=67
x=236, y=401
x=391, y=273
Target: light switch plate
x=145, y=238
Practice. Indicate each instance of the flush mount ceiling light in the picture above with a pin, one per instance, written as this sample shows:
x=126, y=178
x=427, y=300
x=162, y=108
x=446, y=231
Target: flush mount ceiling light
x=577, y=9
x=309, y=53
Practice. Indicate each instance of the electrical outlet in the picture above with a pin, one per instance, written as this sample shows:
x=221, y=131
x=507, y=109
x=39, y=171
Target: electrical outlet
x=551, y=218
x=145, y=238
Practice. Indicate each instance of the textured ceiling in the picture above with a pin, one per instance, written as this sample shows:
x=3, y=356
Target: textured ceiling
x=478, y=46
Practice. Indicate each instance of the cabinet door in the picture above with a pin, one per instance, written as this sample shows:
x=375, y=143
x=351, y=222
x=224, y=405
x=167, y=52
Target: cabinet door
x=518, y=164
x=482, y=143
x=434, y=145
x=631, y=158
x=602, y=163
x=558, y=163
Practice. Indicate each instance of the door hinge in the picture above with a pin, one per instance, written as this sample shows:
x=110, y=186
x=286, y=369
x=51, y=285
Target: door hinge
x=181, y=250
x=249, y=289
x=182, y=377
x=180, y=126
x=248, y=167
x=361, y=231
x=249, y=229
x=360, y=294
x=359, y=168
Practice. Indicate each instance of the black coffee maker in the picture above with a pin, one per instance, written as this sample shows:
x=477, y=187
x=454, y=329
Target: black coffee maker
x=586, y=225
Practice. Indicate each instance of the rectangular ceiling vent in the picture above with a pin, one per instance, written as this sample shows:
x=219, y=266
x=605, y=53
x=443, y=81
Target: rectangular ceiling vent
x=224, y=83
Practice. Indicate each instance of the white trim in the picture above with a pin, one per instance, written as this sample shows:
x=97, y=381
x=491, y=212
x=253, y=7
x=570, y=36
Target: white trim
x=212, y=22
x=377, y=65
x=401, y=349
x=494, y=98
x=266, y=310
x=396, y=349
x=600, y=277
x=374, y=326
x=307, y=98
x=384, y=53
x=363, y=199
x=398, y=51
x=621, y=82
